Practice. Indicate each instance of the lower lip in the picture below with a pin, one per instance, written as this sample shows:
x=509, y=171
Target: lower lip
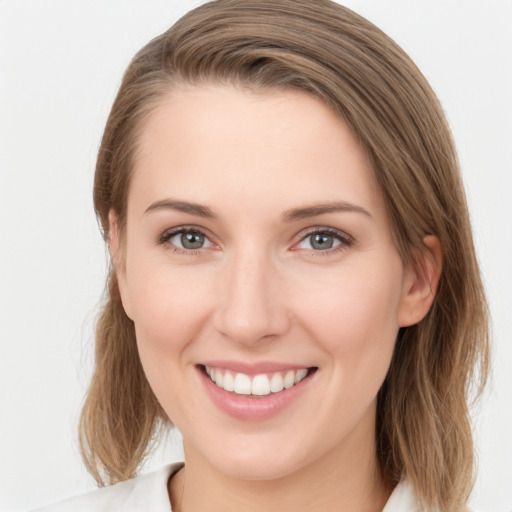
x=250, y=407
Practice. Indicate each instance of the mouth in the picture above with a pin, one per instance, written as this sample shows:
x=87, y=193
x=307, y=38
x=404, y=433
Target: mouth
x=258, y=385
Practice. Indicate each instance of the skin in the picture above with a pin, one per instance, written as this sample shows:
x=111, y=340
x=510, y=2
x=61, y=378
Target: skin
x=258, y=291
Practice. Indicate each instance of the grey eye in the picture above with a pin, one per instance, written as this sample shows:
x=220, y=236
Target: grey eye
x=321, y=241
x=192, y=240
x=189, y=240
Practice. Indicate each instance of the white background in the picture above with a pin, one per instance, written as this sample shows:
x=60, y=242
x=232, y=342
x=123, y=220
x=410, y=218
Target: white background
x=60, y=64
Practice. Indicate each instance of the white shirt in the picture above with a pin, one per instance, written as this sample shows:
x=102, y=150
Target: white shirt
x=148, y=493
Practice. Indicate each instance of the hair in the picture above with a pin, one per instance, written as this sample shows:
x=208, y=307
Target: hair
x=423, y=431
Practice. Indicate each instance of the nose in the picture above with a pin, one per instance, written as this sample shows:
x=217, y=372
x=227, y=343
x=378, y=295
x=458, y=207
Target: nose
x=251, y=307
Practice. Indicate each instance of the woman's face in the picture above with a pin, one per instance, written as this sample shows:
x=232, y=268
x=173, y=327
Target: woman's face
x=258, y=250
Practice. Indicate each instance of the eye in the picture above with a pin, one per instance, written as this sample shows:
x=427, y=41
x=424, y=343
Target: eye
x=324, y=240
x=187, y=239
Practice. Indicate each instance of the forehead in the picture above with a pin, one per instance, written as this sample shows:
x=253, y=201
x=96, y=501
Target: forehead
x=229, y=146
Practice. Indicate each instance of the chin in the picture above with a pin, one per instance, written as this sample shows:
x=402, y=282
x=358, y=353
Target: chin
x=256, y=464
x=263, y=470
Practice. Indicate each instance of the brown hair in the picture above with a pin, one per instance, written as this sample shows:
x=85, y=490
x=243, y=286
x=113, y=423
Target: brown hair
x=423, y=429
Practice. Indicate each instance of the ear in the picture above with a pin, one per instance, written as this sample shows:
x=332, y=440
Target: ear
x=118, y=257
x=420, y=283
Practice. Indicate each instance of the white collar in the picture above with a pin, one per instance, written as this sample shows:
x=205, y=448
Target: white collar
x=149, y=492
x=402, y=499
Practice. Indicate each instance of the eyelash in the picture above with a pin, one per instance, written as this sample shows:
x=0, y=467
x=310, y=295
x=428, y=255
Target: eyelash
x=168, y=235
x=345, y=240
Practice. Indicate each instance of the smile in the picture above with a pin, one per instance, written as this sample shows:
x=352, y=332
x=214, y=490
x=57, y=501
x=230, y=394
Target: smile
x=262, y=384
x=255, y=392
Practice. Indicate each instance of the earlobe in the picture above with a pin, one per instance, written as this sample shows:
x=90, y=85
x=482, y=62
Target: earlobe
x=421, y=283
x=117, y=256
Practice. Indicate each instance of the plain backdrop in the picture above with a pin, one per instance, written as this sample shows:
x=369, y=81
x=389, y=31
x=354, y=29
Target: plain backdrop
x=61, y=62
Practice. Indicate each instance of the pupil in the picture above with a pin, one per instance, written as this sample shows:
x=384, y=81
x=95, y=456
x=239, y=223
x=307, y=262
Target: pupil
x=321, y=241
x=192, y=240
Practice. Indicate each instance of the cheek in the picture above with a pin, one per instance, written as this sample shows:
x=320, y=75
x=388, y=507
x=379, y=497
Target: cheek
x=354, y=315
x=169, y=305
x=169, y=311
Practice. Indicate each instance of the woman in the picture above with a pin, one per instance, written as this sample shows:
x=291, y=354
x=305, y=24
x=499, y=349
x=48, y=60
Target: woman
x=293, y=283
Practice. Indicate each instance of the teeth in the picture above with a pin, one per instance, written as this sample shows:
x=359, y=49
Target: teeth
x=300, y=374
x=276, y=383
x=242, y=384
x=289, y=379
x=260, y=385
x=229, y=382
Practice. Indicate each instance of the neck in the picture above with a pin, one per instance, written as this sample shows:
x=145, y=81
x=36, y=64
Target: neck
x=337, y=482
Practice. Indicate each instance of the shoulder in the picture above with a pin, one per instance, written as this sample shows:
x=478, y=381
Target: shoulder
x=402, y=499
x=146, y=492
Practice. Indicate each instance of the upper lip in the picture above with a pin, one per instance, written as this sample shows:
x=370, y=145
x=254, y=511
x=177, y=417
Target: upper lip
x=253, y=368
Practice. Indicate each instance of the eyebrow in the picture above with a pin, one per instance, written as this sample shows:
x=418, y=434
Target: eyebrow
x=182, y=206
x=296, y=214
x=292, y=215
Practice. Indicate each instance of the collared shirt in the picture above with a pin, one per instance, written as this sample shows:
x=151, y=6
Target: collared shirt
x=148, y=493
